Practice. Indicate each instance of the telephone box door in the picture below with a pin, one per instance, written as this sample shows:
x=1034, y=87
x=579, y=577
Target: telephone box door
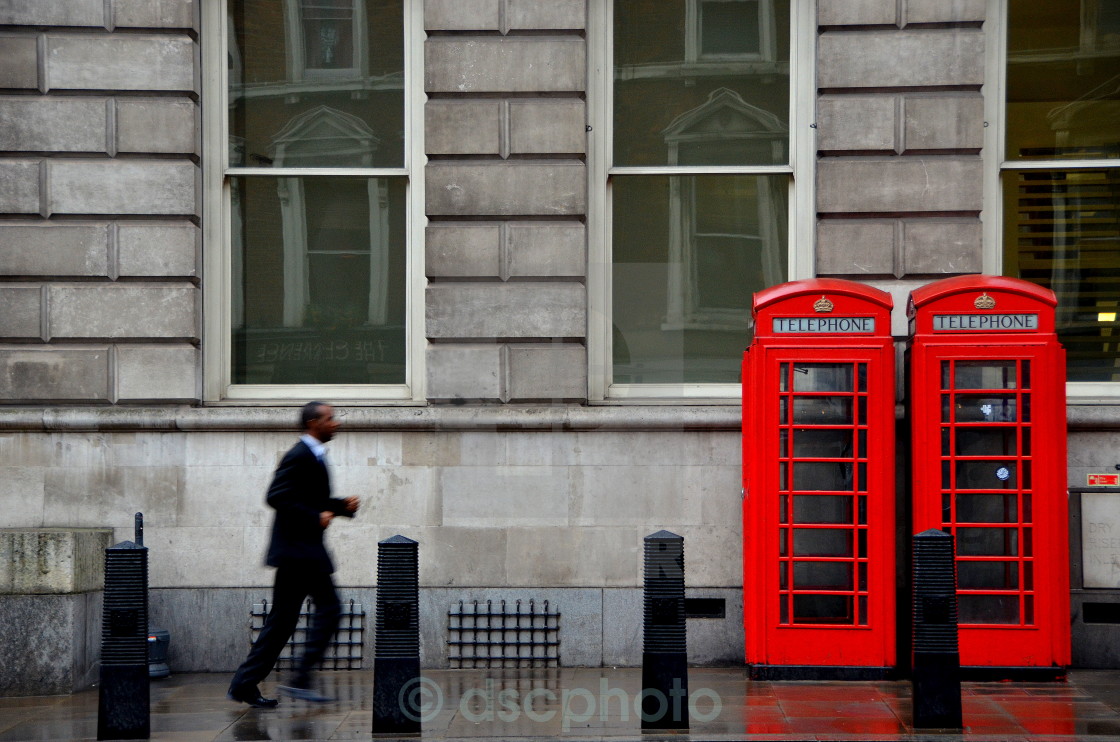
x=988, y=415
x=818, y=438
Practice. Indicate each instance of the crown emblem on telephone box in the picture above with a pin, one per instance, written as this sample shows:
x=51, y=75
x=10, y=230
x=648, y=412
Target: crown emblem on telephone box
x=984, y=302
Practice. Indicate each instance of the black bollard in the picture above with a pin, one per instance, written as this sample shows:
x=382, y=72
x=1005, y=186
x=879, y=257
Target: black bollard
x=123, y=701
x=664, y=650
x=937, y=659
x=396, y=664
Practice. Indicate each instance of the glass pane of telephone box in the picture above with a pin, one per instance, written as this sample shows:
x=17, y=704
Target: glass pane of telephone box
x=827, y=542
x=822, y=377
x=986, y=408
x=987, y=475
x=810, y=443
x=988, y=542
x=822, y=509
x=993, y=508
x=987, y=442
x=994, y=609
x=988, y=575
x=818, y=476
x=985, y=375
x=822, y=411
x=819, y=609
x=822, y=575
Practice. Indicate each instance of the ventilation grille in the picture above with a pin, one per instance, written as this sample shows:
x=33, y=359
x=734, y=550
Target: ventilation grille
x=503, y=634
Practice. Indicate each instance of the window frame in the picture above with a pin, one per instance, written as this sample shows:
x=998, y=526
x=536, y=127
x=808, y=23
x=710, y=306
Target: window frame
x=997, y=166
x=601, y=171
x=218, y=257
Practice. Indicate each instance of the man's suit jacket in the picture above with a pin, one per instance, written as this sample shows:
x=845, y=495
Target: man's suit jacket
x=300, y=491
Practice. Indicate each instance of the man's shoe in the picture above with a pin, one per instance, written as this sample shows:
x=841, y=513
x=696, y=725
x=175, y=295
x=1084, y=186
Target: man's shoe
x=253, y=698
x=304, y=694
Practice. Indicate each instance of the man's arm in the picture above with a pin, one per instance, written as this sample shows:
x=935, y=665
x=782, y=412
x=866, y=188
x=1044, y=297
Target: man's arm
x=346, y=507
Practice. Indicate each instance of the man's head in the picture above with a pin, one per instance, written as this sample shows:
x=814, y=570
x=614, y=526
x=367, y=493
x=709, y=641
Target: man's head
x=318, y=421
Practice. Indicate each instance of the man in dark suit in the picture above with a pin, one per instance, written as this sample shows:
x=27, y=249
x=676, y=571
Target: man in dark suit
x=301, y=495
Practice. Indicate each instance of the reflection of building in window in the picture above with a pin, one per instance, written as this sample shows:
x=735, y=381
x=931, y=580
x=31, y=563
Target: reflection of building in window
x=235, y=68
x=697, y=182
x=1100, y=25
x=729, y=29
x=326, y=38
x=720, y=227
x=1061, y=222
x=336, y=233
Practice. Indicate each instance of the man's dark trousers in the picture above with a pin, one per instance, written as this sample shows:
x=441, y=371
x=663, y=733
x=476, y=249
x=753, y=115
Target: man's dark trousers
x=293, y=584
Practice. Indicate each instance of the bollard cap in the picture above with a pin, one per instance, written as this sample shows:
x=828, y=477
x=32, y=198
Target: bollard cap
x=398, y=539
x=664, y=536
x=128, y=545
x=933, y=533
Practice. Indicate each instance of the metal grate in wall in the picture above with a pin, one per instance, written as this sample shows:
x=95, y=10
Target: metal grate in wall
x=503, y=634
x=345, y=649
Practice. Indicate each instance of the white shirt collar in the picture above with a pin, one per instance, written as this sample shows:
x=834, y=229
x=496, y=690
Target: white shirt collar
x=317, y=447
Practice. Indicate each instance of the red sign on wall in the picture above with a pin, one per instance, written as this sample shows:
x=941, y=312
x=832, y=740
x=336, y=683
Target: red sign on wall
x=1104, y=480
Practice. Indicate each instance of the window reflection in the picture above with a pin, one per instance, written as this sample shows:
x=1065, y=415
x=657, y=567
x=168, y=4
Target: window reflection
x=673, y=89
x=1063, y=102
x=292, y=58
x=697, y=83
x=321, y=285
x=688, y=254
x=330, y=34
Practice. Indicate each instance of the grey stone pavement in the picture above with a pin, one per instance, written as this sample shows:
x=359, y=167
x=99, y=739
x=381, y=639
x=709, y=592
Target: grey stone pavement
x=588, y=704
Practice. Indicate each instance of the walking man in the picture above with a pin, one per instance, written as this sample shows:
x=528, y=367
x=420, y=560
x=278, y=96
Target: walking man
x=301, y=495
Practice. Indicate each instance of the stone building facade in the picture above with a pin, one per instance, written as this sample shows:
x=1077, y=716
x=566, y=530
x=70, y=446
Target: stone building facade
x=518, y=394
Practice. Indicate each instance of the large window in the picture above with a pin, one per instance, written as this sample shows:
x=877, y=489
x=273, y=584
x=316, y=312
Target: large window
x=698, y=179
x=317, y=198
x=1061, y=171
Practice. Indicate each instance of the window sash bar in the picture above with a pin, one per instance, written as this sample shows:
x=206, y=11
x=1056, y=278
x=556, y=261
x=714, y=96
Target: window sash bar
x=703, y=170
x=291, y=172
x=1012, y=165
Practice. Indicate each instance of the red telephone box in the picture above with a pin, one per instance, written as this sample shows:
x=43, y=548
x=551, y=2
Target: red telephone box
x=987, y=401
x=818, y=474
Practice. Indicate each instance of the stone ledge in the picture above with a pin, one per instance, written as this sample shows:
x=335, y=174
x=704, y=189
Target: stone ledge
x=721, y=415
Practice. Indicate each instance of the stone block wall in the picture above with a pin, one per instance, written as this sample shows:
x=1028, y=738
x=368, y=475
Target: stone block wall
x=506, y=200
x=900, y=130
x=551, y=513
x=51, y=584
x=99, y=179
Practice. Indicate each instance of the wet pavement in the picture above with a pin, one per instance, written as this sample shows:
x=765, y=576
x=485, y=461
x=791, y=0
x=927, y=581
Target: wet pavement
x=594, y=704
